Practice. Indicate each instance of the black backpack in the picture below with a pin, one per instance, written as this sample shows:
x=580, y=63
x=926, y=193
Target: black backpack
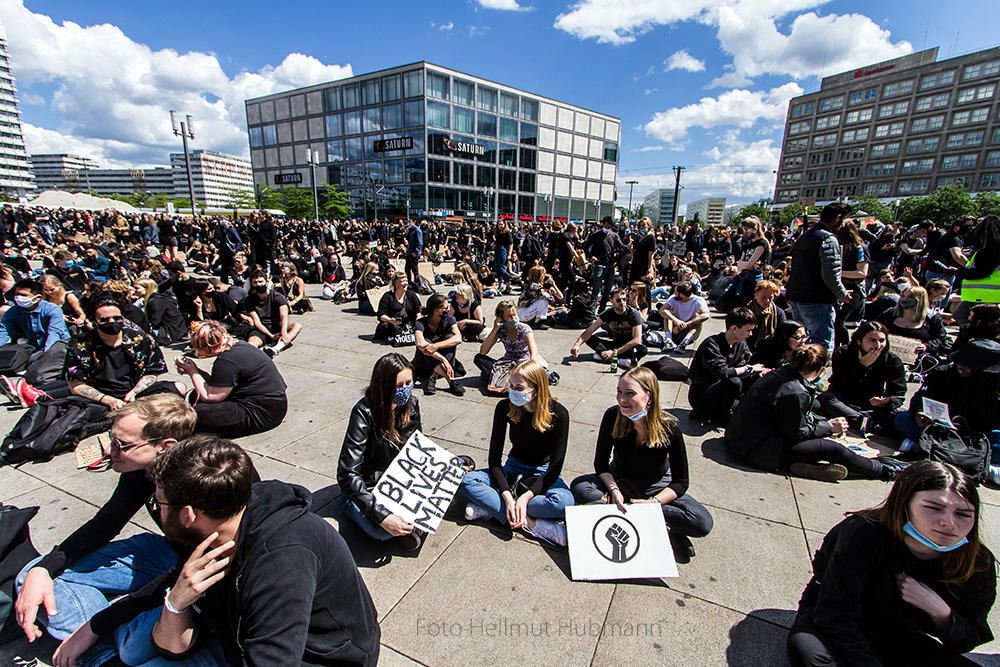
x=971, y=453
x=48, y=428
x=16, y=551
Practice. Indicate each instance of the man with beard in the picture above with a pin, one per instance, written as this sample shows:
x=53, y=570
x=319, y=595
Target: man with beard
x=267, y=311
x=274, y=583
x=73, y=581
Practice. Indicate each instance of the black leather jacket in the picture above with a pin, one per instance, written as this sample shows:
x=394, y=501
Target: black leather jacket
x=366, y=454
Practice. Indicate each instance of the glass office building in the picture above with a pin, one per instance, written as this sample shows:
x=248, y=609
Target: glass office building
x=432, y=141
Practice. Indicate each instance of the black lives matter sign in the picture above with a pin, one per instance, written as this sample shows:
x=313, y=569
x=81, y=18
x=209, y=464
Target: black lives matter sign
x=420, y=482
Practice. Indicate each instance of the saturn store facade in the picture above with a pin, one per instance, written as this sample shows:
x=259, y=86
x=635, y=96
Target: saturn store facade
x=430, y=141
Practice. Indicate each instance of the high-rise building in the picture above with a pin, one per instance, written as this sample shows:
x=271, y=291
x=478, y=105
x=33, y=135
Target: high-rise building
x=902, y=127
x=433, y=141
x=215, y=176
x=710, y=211
x=15, y=170
x=62, y=171
x=660, y=207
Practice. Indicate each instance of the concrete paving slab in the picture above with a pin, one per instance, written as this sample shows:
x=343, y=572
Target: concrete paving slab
x=13, y=483
x=59, y=514
x=822, y=504
x=287, y=471
x=661, y=626
x=318, y=452
x=530, y=609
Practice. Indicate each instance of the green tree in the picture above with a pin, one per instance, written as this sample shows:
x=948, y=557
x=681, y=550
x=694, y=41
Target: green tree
x=758, y=210
x=912, y=210
x=872, y=205
x=297, y=203
x=236, y=198
x=6, y=197
x=336, y=205
x=269, y=198
x=951, y=202
x=988, y=203
x=789, y=213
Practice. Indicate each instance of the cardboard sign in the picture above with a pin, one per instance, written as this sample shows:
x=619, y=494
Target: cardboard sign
x=420, y=482
x=375, y=295
x=679, y=248
x=605, y=543
x=91, y=451
x=398, y=264
x=904, y=348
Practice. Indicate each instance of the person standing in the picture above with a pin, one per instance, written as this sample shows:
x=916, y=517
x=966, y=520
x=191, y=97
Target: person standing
x=414, y=247
x=814, y=285
x=603, y=247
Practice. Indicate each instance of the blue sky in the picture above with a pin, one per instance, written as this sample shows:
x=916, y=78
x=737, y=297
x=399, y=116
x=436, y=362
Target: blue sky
x=698, y=83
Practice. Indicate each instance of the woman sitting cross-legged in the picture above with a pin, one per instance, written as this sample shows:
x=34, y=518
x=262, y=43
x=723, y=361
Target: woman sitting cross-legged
x=527, y=491
x=243, y=395
x=438, y=338
x=906, y=583
x=641, y=458
x=397, y=309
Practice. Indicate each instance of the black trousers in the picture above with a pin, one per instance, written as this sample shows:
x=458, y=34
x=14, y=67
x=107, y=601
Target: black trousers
x=717, y=400
x=234, y=419
x=601, y=342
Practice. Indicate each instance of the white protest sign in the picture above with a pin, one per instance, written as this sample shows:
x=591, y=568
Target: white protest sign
x=904, y=348
x=605, y=543
x=679, y=248
x=420, y=482
x=937, y=411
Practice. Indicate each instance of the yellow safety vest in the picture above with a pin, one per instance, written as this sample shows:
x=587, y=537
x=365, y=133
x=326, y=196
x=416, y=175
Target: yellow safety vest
x=984, y=290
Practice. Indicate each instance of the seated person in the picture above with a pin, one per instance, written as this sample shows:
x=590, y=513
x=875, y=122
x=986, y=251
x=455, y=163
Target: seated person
x=905, y=583
x=380, y=424
x=911, y=319
x=468, y=313
x=969, y=386
x=625, y=326
x=775, y=426
x=769, y=316
x=527, y=491
x=368, y=279
x=683, y=316
x=294, y=289
x=42, y=325
x=113, y=364
x=182, y=286
x=984, y=322
x=267, y=313
x=397, y=309
x=298, y=599
x=211, y=303
x=54, y=292
x=868, y=379
x=539, y=292
x=72, y=276
x=133, y=314
x=73, y=581
x=243, y=395
x=638, y=298
x=770, y=352
x=98, y=266
x=517, y=338
x=641, y=458
x=162, y=313
x=721, y=370
x=438, y=339
x=488, y=282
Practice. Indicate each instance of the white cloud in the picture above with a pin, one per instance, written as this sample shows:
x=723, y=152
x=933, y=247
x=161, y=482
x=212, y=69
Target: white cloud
x=508, y=5
x=747, y=30
x=647, y=149
x=684, y=60
x=114, y=94
x=650, y=91
x=444, y=26
x=740, y=108
x=478, y=31
x=30, y=98
x=729, y=80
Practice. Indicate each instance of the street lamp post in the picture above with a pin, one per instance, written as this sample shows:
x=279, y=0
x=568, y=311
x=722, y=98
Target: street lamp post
x=491, y=193
x=184, y=129
x=631, y=184
x=312, y=157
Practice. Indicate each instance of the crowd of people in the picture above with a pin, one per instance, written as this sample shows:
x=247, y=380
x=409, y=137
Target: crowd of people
x=817, y=321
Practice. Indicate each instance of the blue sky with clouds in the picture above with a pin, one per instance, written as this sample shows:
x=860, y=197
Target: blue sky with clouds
x=698, y=83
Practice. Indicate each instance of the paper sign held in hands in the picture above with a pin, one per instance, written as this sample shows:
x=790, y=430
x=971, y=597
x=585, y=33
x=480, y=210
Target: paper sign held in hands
x=605, y=543
x=420, y=482
x=904, y=348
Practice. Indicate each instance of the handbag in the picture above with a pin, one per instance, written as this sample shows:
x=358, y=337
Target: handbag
x=404, y=338
x=500, y=377
x=969, y=453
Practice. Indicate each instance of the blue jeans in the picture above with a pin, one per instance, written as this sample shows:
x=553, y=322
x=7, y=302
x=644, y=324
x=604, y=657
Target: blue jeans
x=603, y=281
x=503, y=276
x=357, y=516
x=660, y=293
x=818, y=321
x=478, y=488
x=119, y=568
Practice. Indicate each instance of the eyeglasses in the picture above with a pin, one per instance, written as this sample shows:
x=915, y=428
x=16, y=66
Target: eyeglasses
x=154, y=505
x=125, y=446
x=103, y=320
x=800, y=337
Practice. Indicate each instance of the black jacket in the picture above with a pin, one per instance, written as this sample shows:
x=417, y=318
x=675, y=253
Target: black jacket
x=775, y=414
x=856, y=384
x=715, y=360
x=366, y=454
x=853, y=598
x=816, y=263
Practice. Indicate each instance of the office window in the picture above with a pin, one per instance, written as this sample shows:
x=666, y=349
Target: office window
x=437, y=86
x=351, y=96
x=799, y=144
x=856, y=135
x=463, y=120
x=508, y=130
x=828, y=121
x=938, y=79
x=819, y=158
x=831, y=103
x=508, y=104
x=529, y=134
x=270, y=133
x=413, y=83
x=372, y=120
x=352, y=122
x=898, y=88
x=529, y=158
x=824, y=140
x=992, y=158
x=486, y=98
x=909, y=166
x=331, y=99
x=852, y=154
x=256, y=137
x=799, y=128
x=961, y=118
x=392, y=88
x=949, y=162
x=989, y=181
x=487, y=125
x=796, y=111
x=968, y=161
x=858, y=116
x=529, y=110
x=980, y=116
x=526, y=182
x=791, y=162
x=982, y=69
x=610, y=151
x=508, y=179
x=463, y=92
x=413, y=114
x=392, y=117
x=370, y=92
x=437, y=171
x=464, y=173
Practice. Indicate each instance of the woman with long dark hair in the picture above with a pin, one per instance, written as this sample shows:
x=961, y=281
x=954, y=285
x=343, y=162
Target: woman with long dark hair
x=438, y=338
x=770, y=352
x=380, y=424
x=527, y=491
x=905, y=583
x=641, y=458
x=756, y=254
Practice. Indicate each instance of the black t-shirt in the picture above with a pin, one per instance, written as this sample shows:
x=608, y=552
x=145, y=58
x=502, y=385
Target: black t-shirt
x=406, y=311
x=939, y=257
x=750, y=248
x=250, y=373
x=267, y=307
x=443, y=331
x=113, y=373
x=641, y=251
x=504, y=239
x=853, y=257
x=621, y=325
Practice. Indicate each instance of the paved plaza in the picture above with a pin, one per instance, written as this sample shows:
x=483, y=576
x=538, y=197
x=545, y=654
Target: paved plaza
x=477, y=595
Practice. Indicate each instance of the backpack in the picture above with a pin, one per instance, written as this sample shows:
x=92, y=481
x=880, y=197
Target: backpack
x=14, y=358
x=667, y=368
x=49, y=427
x=16, y=551
x=971, y=454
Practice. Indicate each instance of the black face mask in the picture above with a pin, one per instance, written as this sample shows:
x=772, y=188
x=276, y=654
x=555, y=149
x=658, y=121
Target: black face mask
x=260, y=289
x=111, y=328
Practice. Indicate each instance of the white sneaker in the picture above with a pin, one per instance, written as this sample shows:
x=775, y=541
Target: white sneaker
x=624, y=364
x=549, y=530
x=474, y=512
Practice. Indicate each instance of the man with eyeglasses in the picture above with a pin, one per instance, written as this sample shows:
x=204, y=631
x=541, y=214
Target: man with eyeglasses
x=73, y=581
x=624, y=324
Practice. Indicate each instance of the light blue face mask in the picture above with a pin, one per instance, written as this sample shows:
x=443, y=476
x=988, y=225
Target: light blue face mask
x=518, y=398
x=639, y=415
x=511, y=323
x=912, y=531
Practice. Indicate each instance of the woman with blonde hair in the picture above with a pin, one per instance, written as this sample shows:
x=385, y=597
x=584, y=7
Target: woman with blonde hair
x=527, y=491
x=54, y=292
x=911, y=318
x=368, y=279
x=161, y=310
x=471, y=278
x=641, y=458
x=294, y=289
x=243, y=395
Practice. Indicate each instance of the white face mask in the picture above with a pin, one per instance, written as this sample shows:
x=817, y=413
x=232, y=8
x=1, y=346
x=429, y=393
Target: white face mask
x=25, y=302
